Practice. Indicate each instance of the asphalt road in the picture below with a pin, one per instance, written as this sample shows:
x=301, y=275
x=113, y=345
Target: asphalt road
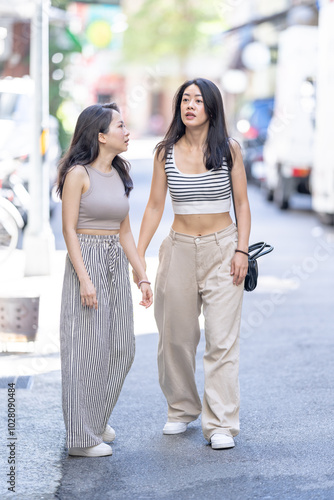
x=285, y=448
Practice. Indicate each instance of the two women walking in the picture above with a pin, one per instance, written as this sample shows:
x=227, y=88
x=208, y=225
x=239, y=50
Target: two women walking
x=202, y=265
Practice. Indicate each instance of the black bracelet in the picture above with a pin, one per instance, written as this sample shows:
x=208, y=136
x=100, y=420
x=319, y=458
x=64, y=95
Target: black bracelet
x=241, y=251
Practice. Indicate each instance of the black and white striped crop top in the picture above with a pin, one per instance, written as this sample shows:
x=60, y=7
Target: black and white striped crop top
x=207, y=193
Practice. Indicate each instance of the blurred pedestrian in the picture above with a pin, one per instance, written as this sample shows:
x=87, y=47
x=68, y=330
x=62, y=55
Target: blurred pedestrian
x=96, y=326
x=202, y=262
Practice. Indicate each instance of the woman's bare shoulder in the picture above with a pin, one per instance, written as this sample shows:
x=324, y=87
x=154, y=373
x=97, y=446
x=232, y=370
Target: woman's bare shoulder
x=77, y=178
x=234, y=145
x=159, y=157
x=78, y=172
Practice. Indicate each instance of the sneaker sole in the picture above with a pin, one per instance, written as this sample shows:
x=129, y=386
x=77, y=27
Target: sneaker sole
x=169, y=433
x=221, y=446
x=89, y=455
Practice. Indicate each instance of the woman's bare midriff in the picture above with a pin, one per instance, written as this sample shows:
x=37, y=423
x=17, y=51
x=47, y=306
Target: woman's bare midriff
x=201, y=224
x=102, y=232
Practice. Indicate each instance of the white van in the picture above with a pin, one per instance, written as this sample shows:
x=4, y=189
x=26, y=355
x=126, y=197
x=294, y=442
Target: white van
x=288, y=150
x=323, y=171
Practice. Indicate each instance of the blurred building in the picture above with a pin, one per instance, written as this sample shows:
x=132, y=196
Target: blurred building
x=251, y=41
x=241, y=57
x=15, y=27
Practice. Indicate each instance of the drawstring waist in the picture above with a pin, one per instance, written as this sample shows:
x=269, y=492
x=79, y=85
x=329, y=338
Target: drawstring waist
x=98, y=238
x=109, y=242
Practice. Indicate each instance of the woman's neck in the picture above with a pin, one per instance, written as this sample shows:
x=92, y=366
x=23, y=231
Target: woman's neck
x=103, y=163
x=195, y=139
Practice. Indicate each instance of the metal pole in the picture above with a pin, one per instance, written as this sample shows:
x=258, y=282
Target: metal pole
x=38, y=241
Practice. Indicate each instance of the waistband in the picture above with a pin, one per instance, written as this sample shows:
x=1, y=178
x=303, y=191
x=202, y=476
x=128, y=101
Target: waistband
x=207, y=238
x=98, y=238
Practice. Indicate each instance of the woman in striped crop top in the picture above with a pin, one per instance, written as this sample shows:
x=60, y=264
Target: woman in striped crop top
x=202, y=262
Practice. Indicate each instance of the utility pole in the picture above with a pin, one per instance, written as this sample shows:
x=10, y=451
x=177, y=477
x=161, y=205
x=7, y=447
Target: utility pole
x=39, y=241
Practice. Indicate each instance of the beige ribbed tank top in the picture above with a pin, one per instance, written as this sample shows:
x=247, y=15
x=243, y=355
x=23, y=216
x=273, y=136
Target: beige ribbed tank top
x=104, y=205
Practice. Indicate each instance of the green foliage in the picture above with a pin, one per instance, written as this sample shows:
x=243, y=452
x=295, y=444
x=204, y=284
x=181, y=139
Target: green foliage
x=60, y=4
x=170, y=27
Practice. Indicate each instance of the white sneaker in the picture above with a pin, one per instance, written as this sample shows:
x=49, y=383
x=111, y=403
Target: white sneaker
x=100, y=450
x=109, y=434
x=221, y=441
x=174, y=427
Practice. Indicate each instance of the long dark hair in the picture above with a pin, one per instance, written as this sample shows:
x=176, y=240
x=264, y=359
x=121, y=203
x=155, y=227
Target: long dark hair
x=217, y=141
x=84, y=147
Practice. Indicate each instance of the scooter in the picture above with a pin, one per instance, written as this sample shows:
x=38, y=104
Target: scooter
x=11, y=223
x=13, y=189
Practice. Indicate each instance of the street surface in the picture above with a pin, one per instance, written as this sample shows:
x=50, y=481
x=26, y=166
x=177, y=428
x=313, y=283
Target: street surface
x=285, y=448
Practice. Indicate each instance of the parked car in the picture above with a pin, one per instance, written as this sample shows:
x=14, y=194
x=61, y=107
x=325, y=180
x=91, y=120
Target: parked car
x=253, y=121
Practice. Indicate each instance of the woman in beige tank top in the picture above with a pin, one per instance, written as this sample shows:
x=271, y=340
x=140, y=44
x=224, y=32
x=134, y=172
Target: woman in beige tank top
x=96, y=325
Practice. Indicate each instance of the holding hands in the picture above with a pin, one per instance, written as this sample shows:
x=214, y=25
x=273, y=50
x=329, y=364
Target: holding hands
x=144, y=286
x=88, y=293
x=147, y=295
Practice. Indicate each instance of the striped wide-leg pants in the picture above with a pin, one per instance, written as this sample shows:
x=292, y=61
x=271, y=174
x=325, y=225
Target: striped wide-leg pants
x=97, y=346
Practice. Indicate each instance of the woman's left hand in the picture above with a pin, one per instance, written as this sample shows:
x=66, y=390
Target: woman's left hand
x=147, y=295
x=239, y=268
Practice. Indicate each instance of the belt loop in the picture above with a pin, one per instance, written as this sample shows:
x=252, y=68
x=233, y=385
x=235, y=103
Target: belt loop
x=217, y=239
x=172, y=234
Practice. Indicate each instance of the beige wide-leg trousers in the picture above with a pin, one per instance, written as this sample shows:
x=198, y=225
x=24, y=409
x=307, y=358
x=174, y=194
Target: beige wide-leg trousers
x=194, y=272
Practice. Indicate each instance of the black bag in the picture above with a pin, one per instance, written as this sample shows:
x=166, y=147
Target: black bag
x=254, y=252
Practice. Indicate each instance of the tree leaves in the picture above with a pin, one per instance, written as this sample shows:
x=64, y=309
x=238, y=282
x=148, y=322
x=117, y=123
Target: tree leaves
x=169, y=28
